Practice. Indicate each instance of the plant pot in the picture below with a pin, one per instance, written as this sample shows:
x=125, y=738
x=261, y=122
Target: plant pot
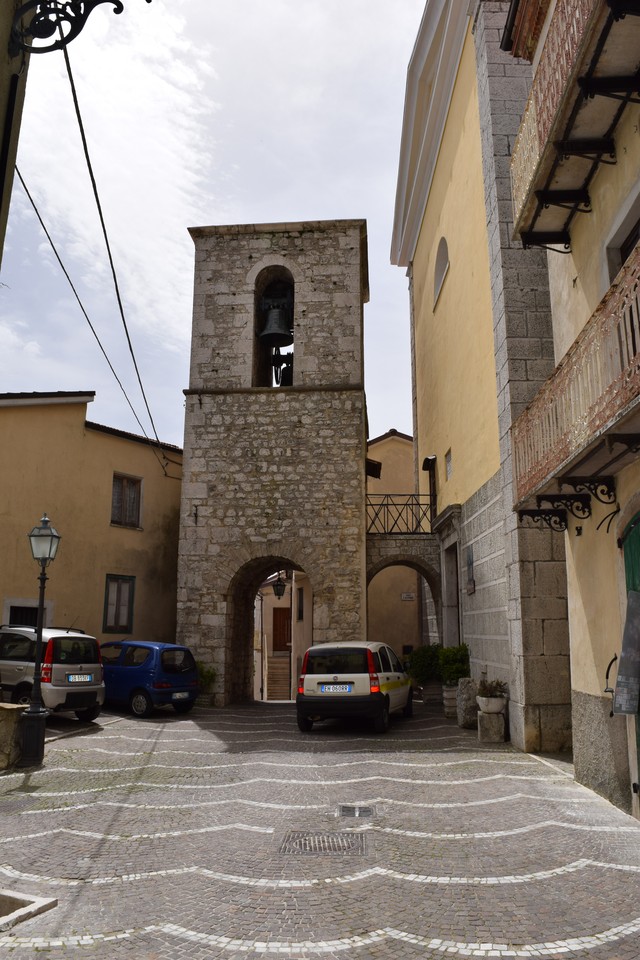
x=491, y=704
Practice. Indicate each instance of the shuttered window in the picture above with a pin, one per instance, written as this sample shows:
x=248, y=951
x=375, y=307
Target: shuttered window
x=125, y=501
x=118, y=604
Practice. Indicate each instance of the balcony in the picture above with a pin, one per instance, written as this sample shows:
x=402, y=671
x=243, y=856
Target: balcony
x=399, y=513
x=586, y=75
x=586, y=418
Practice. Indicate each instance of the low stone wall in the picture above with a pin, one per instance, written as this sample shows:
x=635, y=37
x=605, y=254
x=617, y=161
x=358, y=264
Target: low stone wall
x=10, y=739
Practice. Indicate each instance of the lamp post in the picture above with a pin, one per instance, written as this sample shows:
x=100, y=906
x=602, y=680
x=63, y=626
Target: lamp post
x=44, y=541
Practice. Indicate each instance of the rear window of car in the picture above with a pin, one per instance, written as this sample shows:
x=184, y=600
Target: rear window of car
x=177, y=661
x=338, y=661
x=75, y=650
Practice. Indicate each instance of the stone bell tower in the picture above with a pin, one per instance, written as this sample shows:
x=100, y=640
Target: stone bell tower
x=275, y=435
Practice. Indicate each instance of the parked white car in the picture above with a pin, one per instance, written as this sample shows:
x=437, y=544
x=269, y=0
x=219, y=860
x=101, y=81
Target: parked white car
x=352, y=680
x=71, y=669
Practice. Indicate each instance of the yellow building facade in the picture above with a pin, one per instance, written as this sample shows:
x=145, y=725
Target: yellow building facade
x=112, y=496
x=578, y=439
x=482, y=345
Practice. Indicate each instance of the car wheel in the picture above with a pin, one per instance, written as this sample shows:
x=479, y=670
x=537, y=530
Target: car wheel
x=304, y=724
x=407, y=710
x=21, y=694
x=141, y=703
x=381, y=722
x=184, y=706
x=88, y=715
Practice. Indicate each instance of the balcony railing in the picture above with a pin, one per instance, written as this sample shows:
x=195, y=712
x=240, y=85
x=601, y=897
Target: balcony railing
x=567, y=31
x=594, y=384
x=399, y=513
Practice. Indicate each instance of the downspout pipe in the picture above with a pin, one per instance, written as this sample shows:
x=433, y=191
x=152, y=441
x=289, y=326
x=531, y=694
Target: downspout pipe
x=506, y=43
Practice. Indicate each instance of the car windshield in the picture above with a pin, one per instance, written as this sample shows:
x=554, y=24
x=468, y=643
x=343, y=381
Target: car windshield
x=75, y=650
x=334, y=661
x=177, y=661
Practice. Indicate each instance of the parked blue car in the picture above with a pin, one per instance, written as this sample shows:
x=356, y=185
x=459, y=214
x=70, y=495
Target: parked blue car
x=144, y=674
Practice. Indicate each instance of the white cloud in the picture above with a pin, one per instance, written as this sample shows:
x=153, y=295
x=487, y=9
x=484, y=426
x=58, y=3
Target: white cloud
x=199, y=112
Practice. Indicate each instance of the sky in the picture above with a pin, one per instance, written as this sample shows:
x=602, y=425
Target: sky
x=198, y=112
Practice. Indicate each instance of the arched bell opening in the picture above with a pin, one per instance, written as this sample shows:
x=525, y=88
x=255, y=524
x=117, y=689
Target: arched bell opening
x=274, y=333
x=269, y=626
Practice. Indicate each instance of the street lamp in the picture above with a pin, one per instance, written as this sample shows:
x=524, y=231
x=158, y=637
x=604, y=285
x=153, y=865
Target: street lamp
x=279, y=587
x=44, y=542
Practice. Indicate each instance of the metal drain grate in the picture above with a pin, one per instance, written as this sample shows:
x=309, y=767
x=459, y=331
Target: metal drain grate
x=345, y=844
x=355, y=810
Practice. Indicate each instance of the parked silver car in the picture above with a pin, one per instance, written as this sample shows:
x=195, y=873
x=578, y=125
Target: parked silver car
x=72, y=677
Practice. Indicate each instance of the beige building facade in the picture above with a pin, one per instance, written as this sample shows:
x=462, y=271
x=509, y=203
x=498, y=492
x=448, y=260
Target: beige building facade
x=112, y=496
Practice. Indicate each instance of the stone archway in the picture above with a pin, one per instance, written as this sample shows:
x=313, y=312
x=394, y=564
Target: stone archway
x=419, y=553
x=236, y=679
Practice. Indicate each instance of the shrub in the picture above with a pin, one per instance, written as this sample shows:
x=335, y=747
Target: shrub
x=206, y=676
x=454, y=664
x=424, y=664
x=492, y=688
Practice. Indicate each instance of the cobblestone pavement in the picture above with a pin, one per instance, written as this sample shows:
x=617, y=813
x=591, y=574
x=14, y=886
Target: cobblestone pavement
x=228, y=833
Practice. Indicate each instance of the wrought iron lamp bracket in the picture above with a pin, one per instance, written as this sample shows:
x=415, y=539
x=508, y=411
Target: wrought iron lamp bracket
x=578, y=504
x=556, y=520
x=602, y=488
x=56, y=21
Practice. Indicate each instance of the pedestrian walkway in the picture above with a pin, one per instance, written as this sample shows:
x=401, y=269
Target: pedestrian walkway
x=228, y=833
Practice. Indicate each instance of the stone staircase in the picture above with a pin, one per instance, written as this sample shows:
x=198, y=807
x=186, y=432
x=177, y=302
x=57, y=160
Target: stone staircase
x=278, y=682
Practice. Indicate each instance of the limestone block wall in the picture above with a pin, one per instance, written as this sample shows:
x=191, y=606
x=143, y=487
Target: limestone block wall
x=483, y=582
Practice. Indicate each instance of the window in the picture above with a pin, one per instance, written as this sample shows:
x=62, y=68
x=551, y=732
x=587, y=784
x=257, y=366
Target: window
x=300, y=604
x=25, y=616
x=118, y=605
x=441, y=268
x=125, y=501
x=448, y=466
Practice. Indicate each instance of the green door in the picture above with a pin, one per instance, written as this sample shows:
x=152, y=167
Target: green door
x=631, y=546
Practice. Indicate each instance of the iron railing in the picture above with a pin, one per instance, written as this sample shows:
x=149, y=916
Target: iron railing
x=399, y=513
x=594, y=385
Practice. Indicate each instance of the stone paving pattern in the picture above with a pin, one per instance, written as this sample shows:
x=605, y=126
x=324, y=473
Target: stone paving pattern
x=162, y=838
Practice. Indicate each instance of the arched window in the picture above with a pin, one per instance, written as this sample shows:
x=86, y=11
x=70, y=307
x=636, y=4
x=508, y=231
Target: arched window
x=273, y=314
x=441, y=268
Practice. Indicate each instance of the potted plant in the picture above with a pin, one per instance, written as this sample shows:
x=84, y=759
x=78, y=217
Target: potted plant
x=492, y=695
x=454, y=665
x=206, y=680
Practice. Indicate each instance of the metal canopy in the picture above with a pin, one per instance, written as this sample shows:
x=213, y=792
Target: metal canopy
x=608, y=79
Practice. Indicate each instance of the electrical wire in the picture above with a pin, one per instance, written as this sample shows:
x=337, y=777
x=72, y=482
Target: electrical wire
x=105, y=234
x=86, y=316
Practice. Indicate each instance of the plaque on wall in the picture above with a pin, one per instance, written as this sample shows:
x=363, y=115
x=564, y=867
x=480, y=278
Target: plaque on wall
x=625, y=699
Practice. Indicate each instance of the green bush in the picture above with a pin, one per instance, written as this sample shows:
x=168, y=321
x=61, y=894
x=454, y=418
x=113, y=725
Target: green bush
x=454, y=664
x=424, y=664
x=206, y=676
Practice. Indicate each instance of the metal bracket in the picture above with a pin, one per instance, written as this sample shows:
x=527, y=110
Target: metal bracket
x=578, y=504
x=620, y=8
x=602, y=488
x=588, y=148
x=578, y=200
x=556, y=520
x=617, y=88
x=42, y=20
x=547, y=239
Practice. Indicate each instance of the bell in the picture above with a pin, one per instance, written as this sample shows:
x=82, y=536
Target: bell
x=276, y=331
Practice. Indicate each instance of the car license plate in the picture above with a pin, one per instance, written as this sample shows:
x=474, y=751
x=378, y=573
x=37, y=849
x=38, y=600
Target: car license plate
x=336, y=687
x=179, y=696
x=79, y=677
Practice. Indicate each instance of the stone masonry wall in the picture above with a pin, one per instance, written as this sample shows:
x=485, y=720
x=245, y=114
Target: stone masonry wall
x=274, y=478
x=484, y=603
x=540, y=689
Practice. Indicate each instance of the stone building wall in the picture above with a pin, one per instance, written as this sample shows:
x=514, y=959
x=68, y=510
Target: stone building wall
x=540, y=688
x=274, y=478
